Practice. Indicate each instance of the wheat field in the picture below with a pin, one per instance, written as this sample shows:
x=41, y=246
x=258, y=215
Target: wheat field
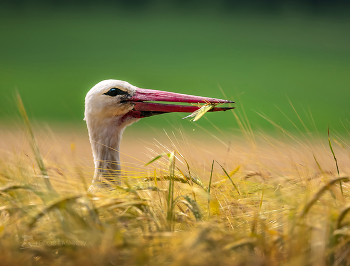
x=188, y=197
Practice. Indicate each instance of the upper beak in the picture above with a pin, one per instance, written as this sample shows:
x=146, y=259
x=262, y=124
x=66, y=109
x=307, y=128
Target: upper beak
x=149, y=108
x=164, y=96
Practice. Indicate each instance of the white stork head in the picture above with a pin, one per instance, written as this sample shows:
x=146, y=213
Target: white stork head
x=108, y=100
x=112, y=105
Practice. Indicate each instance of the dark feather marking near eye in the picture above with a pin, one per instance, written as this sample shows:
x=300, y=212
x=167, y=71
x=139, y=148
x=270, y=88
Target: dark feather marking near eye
x=115, y=91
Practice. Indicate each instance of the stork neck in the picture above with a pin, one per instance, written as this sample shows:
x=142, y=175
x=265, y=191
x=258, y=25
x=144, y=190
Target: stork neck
x=105, y=143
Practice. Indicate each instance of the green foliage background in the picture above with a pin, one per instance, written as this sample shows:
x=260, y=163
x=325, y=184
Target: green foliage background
x=260, y=60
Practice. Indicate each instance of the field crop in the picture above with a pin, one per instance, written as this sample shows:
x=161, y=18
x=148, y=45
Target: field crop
x=205, y=197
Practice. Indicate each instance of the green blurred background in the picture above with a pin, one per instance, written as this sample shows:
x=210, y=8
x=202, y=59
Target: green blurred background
x=262, y=54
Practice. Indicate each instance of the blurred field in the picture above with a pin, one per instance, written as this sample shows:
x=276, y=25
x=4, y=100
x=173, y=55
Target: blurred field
x=53, y=57
x=280, y=210
x=66, y=145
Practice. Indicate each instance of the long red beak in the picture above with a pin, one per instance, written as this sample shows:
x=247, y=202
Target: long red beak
x=164, y=96
x=144, y=103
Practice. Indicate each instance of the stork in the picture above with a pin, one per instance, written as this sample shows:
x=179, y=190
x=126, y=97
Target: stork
x=112, y=105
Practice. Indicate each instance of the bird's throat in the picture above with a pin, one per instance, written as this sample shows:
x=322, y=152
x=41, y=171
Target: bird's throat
x=105, y=143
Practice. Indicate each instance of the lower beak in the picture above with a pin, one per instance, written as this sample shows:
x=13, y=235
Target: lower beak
x=144, y=105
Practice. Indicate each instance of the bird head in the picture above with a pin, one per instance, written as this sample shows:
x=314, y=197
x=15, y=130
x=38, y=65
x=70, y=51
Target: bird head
x=125, y=104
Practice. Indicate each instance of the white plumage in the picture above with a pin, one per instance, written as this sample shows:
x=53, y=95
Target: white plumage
x=111, y=106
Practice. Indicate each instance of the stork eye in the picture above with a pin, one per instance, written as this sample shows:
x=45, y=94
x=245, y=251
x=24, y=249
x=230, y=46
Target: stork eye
x=115, y=91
